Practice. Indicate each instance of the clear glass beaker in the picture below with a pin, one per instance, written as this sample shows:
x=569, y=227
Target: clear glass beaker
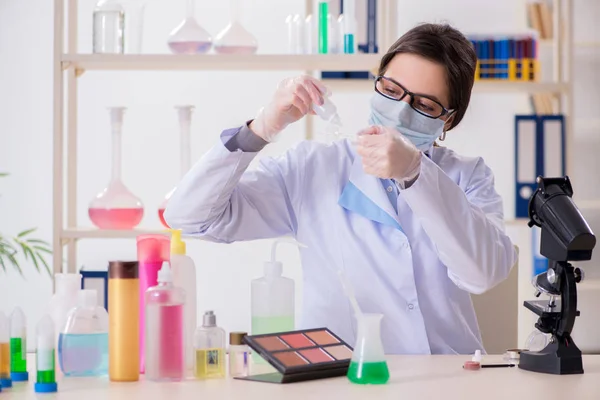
x=368, y=364
x=134, y=25
x=108, y=27
x=115, y=207
x=189, y=37
x=185, y=122
x=234, y=38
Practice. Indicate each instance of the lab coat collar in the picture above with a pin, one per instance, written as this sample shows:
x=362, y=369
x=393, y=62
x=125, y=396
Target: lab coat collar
x=365, y=195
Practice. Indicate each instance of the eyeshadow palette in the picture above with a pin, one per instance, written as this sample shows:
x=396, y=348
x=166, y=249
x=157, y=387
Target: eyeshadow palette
x=301, y=355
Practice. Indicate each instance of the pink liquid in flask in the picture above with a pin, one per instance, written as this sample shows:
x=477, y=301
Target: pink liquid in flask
x=191, y=47
x=116, y=218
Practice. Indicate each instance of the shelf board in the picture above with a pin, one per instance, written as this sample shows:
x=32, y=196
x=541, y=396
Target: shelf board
x=222, y=62
x=93, y=233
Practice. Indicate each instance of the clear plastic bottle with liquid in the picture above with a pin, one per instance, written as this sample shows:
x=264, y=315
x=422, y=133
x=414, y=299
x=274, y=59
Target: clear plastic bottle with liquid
x=83, y=342
x=210, y=348
x=109, y=27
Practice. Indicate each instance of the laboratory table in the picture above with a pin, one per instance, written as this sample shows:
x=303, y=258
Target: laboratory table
x=412, y=377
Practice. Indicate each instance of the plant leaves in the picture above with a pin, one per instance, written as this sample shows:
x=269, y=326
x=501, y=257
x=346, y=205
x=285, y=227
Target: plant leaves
x=45, y=265
x=2, y=174
x=44, y=249
x=26, y=232
x=38, y=241
x=2, y=263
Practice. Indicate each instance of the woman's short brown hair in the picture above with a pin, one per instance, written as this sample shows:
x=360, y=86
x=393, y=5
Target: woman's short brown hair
x=446, y=46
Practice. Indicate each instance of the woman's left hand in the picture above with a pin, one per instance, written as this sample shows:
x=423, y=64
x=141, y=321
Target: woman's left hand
x=387, y=154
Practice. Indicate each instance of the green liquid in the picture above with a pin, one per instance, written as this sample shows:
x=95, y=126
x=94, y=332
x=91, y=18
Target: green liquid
x=18, y=355
x=262, y=325
x=323, y=11
x=376, y=373
x=45, y=377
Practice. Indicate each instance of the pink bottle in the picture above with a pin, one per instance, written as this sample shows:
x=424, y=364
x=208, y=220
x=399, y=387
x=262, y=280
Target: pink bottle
x=152, y=251
x=165, y=354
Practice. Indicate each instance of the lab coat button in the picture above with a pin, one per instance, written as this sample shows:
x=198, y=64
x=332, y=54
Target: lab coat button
x=411, y=306
x=389, y=189
x=405, y=245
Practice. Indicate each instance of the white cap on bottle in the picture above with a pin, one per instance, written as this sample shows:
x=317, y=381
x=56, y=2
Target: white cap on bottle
x=18, y=324
x=87, y=298
x=274, y=267
x=165, y=275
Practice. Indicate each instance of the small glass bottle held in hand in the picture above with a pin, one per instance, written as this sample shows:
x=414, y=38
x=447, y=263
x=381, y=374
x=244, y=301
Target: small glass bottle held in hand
x=116, y=207
x=185, y=121
x=210, y=348
x=235, y=38
x=165, y=360
x=238, y=354
x=45, y=353
x=189, y=37
x=83, y=342
x=368, y=364
x=108, y=27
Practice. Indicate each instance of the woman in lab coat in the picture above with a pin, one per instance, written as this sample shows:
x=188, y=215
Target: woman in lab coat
x=416, y=226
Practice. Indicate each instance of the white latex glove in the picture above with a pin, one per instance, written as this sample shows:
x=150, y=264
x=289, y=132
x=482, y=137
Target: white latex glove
x=292, y=100
x=387, y=154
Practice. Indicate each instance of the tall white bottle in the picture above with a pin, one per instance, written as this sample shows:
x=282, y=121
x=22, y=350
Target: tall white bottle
x=273, y=297
x=66, y=289
x=184, y=276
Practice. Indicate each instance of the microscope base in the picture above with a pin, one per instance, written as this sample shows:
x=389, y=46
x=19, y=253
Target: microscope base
x=556, y=358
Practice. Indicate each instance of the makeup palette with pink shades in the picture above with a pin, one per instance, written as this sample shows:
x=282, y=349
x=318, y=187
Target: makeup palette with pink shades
x=300, y=355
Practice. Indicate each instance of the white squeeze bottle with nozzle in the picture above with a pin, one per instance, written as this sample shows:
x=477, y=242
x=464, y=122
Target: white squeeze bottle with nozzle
x=273, y=297
x=184, y=276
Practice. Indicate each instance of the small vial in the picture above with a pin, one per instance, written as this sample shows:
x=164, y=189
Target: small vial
x=5, y=379
x=238, y=354
x=210, y=348
x=45, y=353
x=328, y=113
x=18, y=346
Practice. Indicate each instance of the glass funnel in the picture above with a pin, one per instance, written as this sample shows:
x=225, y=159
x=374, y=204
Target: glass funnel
x=234, y=38
x=188, y=37
x=368, y=364
x=185, y=122
x=115, y=207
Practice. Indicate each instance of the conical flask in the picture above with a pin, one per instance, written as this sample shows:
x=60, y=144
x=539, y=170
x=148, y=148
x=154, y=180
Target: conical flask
x=115, y=207
x=185, y=122
x=368, y=364
x=234, y=38
x=189, y=37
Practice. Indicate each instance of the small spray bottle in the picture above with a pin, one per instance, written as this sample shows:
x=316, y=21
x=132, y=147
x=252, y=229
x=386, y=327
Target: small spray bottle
x=5, y=379
x=18, y=346
x=45, y=353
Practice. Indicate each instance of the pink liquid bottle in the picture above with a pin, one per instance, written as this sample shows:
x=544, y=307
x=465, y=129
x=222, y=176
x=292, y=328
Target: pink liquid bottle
x=116, y=207
x=185, y=122
x=234, y=38
x=152, y=251
x=164, y=329
x=189, y=37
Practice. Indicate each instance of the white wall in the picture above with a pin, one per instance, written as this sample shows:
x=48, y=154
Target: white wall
x=150, y=164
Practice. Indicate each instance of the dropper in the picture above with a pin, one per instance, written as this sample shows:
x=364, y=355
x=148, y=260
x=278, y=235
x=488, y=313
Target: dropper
x=350, y=293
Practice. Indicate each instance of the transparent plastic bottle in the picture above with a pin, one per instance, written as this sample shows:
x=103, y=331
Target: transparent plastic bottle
x=116, y=207
x=45, y=354
x=165, y=358
x=18, y=346
x=238, y=354
x=234, y=38
x=328, y=112
x=185, y=122
x=189, y=37
x=64, y=299
x=368, y=364
x=83, y=342
x=109, y=27
x=5, y=379
x=210, y=348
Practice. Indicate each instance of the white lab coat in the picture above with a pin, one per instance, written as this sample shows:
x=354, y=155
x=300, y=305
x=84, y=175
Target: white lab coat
x=416, y=267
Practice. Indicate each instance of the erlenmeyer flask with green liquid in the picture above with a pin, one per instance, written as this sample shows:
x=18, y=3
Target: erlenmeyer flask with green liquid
x=368, y=365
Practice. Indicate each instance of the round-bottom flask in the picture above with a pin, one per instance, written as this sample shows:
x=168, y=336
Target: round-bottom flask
x=116, y=207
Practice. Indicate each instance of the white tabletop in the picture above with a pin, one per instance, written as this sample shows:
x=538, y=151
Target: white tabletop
x=412, y=377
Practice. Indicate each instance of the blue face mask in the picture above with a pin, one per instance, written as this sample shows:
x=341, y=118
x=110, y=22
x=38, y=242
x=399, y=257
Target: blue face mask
x=419, y=129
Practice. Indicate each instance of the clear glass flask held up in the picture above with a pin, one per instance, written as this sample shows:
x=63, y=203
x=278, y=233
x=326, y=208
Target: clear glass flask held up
x=368, y=364
x=108, y=27
x=189, y=37
x=115, y=207
x=234, y=38
x=185, y=122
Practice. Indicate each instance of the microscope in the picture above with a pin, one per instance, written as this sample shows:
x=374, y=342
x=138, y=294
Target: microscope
x=565, y=236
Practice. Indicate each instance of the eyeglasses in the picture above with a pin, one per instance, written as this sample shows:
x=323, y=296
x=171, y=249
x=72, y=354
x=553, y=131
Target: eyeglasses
x=420, y=103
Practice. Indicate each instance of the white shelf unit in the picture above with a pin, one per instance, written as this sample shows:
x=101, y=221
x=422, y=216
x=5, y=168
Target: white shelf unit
x=69, y=65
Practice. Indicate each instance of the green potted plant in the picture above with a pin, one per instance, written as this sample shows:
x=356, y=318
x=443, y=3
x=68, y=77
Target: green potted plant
x=13, y=249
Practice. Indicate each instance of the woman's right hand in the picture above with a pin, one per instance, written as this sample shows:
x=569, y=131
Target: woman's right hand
x=292, y=100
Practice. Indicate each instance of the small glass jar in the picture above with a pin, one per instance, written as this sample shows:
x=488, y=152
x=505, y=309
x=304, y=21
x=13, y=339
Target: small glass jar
x=238, y=354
